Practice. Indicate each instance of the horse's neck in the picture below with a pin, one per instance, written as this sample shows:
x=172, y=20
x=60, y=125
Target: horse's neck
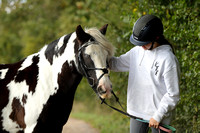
x=65, y=80
x=61, y=78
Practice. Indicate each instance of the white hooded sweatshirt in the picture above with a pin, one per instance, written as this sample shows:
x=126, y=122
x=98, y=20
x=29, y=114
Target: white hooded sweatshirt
x=153, y=83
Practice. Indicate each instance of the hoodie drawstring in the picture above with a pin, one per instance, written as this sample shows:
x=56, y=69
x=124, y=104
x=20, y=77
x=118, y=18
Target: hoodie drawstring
x=154, y=58
x=142, y=58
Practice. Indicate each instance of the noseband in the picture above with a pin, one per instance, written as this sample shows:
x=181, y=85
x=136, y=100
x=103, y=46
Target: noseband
x=85, y=68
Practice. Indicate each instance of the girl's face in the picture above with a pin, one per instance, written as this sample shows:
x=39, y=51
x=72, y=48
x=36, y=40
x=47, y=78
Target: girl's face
x=147, y=46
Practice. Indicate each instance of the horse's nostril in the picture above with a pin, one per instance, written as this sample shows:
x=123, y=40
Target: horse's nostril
x=100, y=90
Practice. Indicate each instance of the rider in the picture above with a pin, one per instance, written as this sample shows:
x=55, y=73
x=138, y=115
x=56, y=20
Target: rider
x=153, y=82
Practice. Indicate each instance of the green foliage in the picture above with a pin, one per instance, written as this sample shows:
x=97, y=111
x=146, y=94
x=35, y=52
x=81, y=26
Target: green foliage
x=26, y=26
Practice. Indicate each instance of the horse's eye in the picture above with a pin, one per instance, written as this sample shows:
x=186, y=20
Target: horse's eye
x=92, y=39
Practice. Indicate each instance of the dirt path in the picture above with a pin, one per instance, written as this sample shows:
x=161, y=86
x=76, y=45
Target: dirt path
x=78, y=126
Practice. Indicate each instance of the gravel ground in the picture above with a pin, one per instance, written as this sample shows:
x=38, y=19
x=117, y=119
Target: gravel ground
x=78, y=126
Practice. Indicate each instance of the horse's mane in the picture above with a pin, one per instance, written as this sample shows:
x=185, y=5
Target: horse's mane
x=102, y=40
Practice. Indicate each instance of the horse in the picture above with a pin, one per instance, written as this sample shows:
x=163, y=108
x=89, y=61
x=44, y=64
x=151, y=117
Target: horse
x=37, y=93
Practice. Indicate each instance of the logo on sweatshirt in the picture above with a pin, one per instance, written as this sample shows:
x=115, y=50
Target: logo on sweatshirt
x=156, y=68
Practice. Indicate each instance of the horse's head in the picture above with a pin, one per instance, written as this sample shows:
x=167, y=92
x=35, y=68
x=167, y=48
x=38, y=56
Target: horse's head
x=93, y=54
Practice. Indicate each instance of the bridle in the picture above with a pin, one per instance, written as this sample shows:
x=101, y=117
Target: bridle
x=85, y=68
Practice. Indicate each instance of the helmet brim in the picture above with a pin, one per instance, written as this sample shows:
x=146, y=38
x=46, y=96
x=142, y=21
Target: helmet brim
x=138, y=43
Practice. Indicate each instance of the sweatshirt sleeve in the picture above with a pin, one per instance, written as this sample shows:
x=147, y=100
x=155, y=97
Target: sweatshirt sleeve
x=171, y=98
x=121, y=63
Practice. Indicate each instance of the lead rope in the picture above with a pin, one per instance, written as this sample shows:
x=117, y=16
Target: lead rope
x=117, y=100
x=166, y=128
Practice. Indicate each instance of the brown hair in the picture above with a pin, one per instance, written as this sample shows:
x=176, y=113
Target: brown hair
x=163, y=41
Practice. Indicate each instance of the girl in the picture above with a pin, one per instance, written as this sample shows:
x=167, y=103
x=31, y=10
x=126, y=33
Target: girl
x=153, y=83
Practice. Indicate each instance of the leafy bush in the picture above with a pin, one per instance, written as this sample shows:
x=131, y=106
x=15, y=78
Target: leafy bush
x=181, y=23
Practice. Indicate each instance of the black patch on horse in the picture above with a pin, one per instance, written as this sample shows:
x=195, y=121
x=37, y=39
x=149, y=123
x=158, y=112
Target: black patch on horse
x=24, y=99
x=51, y=48
x=31, y=79
x=49, y=53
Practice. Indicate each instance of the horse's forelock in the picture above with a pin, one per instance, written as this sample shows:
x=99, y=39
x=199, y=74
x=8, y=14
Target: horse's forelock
x=102, y=40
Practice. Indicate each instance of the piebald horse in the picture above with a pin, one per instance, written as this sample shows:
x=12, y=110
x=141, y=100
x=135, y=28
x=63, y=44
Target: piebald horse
x=37, y=93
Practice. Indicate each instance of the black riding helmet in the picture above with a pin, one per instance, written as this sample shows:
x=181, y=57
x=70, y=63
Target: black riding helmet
x=146, y=29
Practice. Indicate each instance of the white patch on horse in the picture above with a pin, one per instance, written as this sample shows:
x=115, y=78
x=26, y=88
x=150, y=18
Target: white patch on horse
x=60, y=43
x=3, y=73
x=27, y=62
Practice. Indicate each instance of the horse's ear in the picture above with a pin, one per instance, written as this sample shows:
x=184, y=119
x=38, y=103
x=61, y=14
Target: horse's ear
x=104, y=29
x=81, y=35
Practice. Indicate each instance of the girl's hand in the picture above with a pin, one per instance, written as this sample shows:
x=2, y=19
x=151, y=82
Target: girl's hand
x=153, y=123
